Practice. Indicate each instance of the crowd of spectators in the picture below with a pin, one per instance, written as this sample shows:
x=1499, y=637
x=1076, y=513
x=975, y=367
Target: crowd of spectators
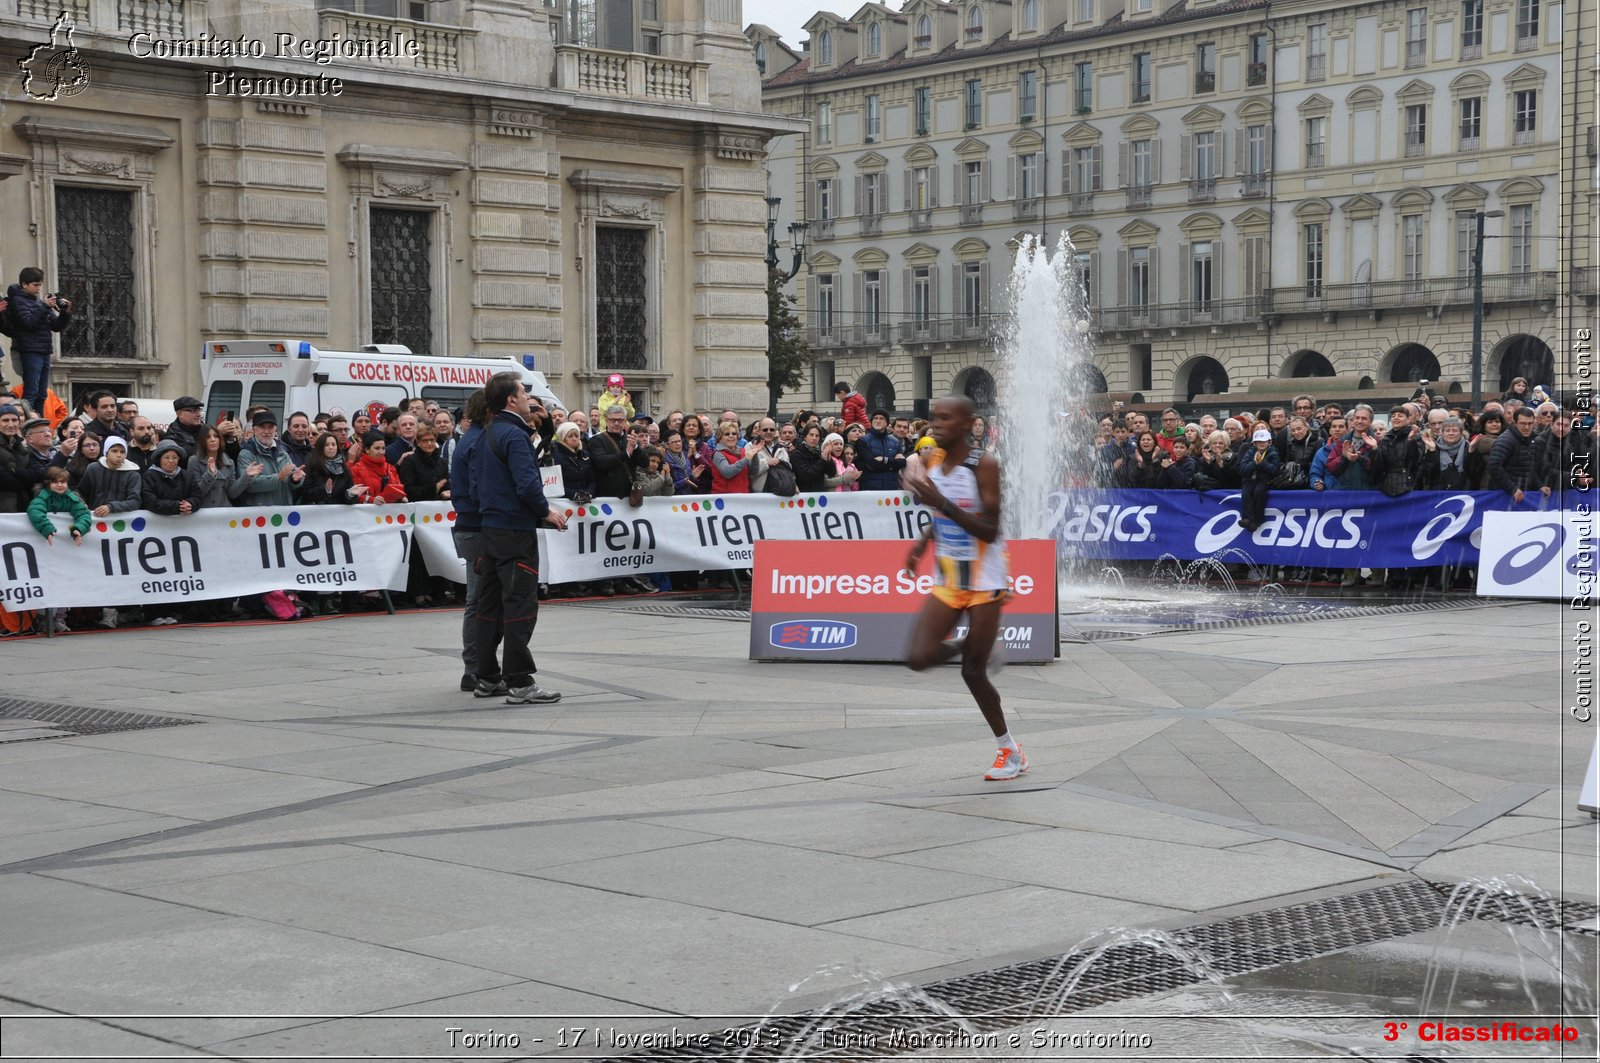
x=108, y=458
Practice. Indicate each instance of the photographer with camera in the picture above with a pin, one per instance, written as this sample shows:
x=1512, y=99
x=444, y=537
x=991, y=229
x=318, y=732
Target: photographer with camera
x=30, y=321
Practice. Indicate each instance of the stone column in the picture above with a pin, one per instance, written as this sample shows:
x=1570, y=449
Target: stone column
x=516, y=240
x=730, y=274
x=262, y=184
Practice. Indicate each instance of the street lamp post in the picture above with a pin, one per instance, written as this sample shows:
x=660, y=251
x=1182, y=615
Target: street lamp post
x=797, y=240
x=1477, y=306
x=797, y=243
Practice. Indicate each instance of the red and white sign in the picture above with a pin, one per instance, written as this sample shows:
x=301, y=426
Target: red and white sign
x=832, y=601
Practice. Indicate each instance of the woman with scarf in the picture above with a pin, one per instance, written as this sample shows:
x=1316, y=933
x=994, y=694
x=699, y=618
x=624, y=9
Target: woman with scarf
x=1449, y=464
x=677, y=462
x=698, y=450
x=1490, y=425
x=811, y=469
x=375, y=479
x=88, y=454
x=216, y=477
x=577, y=477
x=1143, y=467
x=327, y=481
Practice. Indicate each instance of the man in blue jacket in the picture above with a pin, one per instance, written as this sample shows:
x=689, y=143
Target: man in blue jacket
x=32, y=324
x=511, y=505
x=879, y=457
x=464, y=533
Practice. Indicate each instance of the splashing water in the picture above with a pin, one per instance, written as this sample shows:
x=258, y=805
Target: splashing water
x=1523, y=906
x=1041, y=355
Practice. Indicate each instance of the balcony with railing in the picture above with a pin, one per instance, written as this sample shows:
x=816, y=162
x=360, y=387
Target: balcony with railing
x=872, y=225
x=1205, y=81
x=1416, y=54
x=416, y=45
x=1416, y=143
x=1416, y=293
x=972, y=214
x=1081, y=203
x=1138, y=197
x=921, y=221
x=1192, y=314
x=168, y=19
x=942, y=330
x=629, y=75
x=820, y=229
x=1252, y=185
x=1027, y=209
x=1316, y=67
x=873, y=334
x=1256, y=74
x=1202, y=189
x=1584, y=285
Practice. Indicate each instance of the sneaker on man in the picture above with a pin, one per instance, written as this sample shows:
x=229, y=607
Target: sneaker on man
x=60, y=624
x=485, y=689
x=532, y=694
x=1008, y=764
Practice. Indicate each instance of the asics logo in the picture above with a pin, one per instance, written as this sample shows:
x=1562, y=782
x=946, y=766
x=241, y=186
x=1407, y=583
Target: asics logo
x=1442, y=528
x=1330, y=529
x=1541, y=544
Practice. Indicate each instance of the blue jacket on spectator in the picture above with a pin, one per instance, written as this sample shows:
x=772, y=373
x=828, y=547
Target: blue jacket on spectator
x=880, y=458
x=505, y=477
x=1319, y=470
x=463, y=490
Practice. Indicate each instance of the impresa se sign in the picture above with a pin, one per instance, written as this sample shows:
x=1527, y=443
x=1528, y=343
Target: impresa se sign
x=831, y=601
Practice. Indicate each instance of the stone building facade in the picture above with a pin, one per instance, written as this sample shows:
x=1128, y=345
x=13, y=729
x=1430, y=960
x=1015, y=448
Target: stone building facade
x=1252, y=190
x=575, y=180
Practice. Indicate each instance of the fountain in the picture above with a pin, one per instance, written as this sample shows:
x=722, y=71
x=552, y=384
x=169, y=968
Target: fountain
x=1045, y=424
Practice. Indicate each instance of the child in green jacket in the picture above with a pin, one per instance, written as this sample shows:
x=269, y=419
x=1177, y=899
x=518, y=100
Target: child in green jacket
x=55, y=498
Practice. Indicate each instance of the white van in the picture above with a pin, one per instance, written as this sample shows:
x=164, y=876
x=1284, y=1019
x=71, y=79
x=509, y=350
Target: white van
x=290, y=375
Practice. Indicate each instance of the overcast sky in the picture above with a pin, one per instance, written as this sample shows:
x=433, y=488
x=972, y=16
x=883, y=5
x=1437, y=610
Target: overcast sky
x=786, y=16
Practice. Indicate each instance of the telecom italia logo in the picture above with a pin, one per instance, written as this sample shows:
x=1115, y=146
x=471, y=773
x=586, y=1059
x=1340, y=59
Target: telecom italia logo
x=812, y=635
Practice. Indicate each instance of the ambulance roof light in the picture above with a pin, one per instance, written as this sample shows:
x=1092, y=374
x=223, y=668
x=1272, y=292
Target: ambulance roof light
x=527, y=361
x=305, y=349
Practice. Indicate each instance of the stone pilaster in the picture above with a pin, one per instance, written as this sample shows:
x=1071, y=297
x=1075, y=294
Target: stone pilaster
x=730, y=297
x=262, y=182
x=515, y=231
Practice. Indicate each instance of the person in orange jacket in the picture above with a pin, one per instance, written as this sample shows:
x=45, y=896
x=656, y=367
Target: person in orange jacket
x=55, y=411
x=376, y=481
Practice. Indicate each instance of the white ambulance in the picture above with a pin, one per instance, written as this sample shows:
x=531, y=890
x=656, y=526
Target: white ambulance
x=287, y=376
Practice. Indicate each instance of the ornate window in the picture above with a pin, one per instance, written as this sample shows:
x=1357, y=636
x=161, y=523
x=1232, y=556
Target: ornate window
x=874, y=39
x=924, y=37
x=621, y=287
x=974, y=23
x=399, y=278
x=94, y=259
x=825, y=48
x=1030, y=15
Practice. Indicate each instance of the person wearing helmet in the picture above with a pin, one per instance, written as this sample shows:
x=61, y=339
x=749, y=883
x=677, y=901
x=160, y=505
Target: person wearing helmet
x=616, y=394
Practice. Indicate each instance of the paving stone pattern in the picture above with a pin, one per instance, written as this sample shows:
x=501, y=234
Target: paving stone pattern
x=690, y=833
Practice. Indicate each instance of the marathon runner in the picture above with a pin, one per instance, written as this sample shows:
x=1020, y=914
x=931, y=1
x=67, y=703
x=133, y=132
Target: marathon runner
x=962, y=486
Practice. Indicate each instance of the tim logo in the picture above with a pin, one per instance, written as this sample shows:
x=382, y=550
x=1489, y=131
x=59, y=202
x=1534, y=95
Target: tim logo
x=54, y=70
x=813, y=635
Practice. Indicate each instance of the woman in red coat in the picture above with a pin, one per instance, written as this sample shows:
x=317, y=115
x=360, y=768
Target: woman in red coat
x=730, y=466
x=375, y=479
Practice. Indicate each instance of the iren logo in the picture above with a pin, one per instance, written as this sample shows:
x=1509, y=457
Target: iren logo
x=813, y=635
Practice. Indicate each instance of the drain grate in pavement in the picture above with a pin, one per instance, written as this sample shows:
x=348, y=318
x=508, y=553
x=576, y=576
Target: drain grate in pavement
x=1010, y=996
x=1108, y=630
x=702, y=609
x=68, y=721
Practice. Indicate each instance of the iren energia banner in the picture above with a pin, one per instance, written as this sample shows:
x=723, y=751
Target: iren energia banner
x=135, y=558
